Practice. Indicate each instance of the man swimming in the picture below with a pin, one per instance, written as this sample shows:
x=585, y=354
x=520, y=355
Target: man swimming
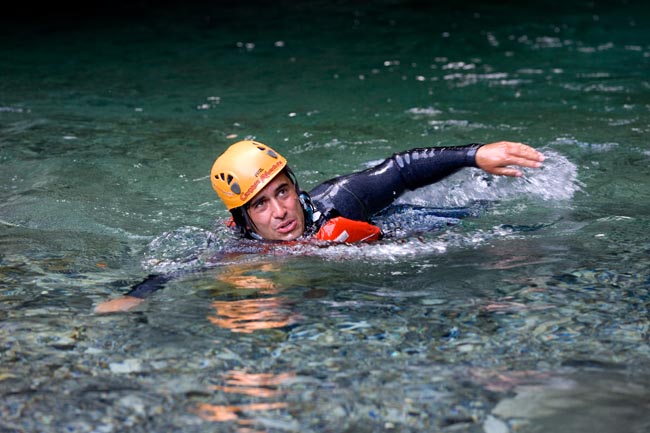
x=262, y=193
x=266, y=203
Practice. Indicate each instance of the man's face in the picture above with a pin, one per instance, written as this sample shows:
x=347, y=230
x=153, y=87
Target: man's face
x=276, y=211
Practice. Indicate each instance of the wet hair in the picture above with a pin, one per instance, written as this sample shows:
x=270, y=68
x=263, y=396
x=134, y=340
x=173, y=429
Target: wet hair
x=243, y=221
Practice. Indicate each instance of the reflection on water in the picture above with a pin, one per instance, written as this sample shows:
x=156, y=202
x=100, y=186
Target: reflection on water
x=258, y=310
x=211, y=412
x=248, y=315
x=256, y=385
x=265, y=310
x=252, y=276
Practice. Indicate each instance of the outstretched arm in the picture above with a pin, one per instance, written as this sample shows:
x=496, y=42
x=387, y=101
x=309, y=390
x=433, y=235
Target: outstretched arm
x=500, y=158
x=362, y=194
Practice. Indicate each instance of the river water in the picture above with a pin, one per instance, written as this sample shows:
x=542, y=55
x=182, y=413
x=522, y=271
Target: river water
x=530, y=314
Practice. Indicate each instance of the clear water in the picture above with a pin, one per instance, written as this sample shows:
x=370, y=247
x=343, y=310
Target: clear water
x=529, y=316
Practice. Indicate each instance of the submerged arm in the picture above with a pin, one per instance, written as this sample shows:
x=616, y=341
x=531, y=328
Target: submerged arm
x=154, y=282
x=136, y=295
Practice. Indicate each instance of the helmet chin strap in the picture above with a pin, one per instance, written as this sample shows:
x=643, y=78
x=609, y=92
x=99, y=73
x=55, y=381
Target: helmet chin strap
x=255, y=236
x=311, y=213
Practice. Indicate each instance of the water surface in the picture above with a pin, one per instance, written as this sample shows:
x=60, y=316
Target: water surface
x=528, y=315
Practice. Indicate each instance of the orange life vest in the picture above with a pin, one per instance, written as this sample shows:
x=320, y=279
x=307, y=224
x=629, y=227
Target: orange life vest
x=340, y=229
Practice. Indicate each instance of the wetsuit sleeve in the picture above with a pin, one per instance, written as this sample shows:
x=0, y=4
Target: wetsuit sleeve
x=149, y=285
x=360, y=195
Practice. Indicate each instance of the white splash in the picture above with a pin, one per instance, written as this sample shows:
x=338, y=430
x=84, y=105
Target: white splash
x=555, y=181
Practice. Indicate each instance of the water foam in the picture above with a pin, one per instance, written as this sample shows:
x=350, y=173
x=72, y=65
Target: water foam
x=557, y=180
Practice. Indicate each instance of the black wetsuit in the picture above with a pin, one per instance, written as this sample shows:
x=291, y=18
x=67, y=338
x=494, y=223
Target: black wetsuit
x=361, y=195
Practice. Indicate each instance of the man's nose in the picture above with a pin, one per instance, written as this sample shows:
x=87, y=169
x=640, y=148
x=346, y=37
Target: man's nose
x=279, y=211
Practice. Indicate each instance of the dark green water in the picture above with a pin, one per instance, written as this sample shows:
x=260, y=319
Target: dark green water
x=530, y=317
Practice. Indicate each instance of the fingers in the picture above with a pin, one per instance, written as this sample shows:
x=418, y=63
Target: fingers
x=506, y=171
x=521, y=153
x=525, y=162
x=502, y=158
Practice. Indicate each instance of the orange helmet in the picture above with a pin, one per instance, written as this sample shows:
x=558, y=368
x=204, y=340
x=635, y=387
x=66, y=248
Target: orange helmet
x=243, y=170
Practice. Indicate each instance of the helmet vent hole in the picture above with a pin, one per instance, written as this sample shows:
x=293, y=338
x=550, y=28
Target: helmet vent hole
x=272, y=154
x=229, y=179
x=235, y=188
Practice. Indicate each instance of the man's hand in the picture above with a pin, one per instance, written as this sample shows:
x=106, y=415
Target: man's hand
x=124, y=303
x=498, y=158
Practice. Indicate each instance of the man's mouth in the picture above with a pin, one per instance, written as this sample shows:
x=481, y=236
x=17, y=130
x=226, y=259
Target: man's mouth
x=287, y=227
